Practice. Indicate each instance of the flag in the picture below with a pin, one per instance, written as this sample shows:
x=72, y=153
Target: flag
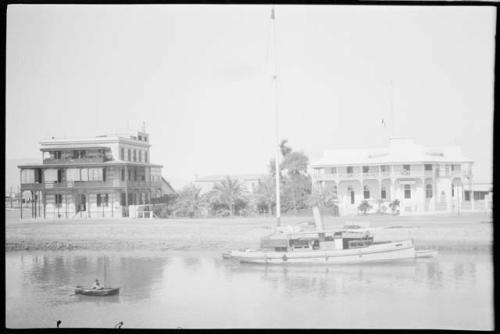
x=383, y=122
x=272, y=13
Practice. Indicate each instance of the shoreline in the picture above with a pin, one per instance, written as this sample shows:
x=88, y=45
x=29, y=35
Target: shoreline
x=445, y=233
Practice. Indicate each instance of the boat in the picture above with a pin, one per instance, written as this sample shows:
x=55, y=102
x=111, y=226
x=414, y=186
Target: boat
x=98, y=292
x=79, y=290
x=353, y=243
x=293, y=245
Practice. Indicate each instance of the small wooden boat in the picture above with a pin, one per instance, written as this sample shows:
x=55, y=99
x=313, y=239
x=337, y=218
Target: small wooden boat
x=96, y=292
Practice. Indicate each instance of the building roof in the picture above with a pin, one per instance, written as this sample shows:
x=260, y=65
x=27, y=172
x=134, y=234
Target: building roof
x=88, y=164
x=241, y=177
x=90, y=142
x=400, y=150
x=166, y=188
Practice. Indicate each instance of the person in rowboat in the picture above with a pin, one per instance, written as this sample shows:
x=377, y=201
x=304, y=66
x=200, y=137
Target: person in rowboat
x=97, y=285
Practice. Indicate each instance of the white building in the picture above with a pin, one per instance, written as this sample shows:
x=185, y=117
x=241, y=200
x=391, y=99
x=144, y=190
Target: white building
x=423, y=179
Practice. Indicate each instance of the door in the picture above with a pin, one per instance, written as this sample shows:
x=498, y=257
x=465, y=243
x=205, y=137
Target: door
x=82, y=203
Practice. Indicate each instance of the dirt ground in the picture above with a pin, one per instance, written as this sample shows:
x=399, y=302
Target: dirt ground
x=443, y=232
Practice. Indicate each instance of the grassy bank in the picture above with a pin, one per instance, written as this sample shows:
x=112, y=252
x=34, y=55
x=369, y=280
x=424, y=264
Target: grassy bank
x=465, y=232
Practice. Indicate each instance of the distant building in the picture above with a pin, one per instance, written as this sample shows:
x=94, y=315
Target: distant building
x=249, y=181
x=92, y=177
x=423, y=179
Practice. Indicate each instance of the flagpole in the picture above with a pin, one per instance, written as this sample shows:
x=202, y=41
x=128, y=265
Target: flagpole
x=275, y=96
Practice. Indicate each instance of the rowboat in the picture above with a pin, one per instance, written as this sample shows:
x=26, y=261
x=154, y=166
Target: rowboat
x=96, y=292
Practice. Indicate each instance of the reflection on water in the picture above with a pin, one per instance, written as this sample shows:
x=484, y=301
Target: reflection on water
x=172, y=289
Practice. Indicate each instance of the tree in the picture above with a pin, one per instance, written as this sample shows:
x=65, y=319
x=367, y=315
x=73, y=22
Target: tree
x=295, y=163
x=295, y=183
x=229, y=192
x=265, y=194
x=394, y=205
x=189, y=201
x=364, y=206
x=285, y=150
x=323, y=196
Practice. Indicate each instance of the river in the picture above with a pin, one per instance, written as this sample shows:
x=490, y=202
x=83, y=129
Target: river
x=201, y=290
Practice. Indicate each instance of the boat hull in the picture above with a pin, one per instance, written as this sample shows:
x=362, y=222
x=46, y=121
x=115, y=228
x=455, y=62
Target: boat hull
x=97, y=292
x=390, y=251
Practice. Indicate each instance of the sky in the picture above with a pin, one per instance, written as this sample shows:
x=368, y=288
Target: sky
x=199, y=76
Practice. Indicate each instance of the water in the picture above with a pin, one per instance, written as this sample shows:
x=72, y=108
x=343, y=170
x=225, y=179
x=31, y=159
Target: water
x=193, y=290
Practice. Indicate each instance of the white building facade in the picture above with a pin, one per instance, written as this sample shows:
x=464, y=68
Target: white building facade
x=423, y=179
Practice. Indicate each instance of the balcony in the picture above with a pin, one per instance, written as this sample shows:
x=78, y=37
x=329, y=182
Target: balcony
x=325, y=177
x=110, y=184
x=52, y=161
x=371, y=174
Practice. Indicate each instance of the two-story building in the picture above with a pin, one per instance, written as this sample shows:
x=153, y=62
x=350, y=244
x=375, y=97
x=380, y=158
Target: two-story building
x=92, y=177
x=423, y=179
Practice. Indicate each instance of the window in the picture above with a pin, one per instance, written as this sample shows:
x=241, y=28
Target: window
x=452, y=190
x=129, y=156
x=406, y=167
x=428, y=167
x=75, y=154
x=122, y=154
x=146, y=156
x=58, y=200
x=140, y=156
x=352, y=197
x=366, y=192
x=104, y=174
x=467, y=195
x=140, y=137
x=349, y=170
x=129, y=175
x=407, y=191
x=57, y=155
x=135, y=155
x=135, y=174
x=123, y=174
x=428, y=191
x=479, y=195
x=383, y=193
x=99, y=200
x=106, y=200
x=366, y=169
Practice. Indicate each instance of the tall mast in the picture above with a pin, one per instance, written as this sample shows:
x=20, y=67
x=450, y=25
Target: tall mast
x=275, y=98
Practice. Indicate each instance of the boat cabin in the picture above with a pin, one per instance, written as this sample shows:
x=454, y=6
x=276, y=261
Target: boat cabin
x=317, y=240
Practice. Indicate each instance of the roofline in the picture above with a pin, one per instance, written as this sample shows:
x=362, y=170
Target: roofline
x=91, y=140
x=163, y=179
x=388, y=163
x=90, y=164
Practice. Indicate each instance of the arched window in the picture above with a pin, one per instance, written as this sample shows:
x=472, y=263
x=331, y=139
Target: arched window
x=428, y=191
x=366, y=192
x=407, y=191
x=383, y=193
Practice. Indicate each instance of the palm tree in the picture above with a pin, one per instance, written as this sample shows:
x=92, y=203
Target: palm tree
x=189, y=202
x=324, y=196
x=265, y=193
x=227, y=192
